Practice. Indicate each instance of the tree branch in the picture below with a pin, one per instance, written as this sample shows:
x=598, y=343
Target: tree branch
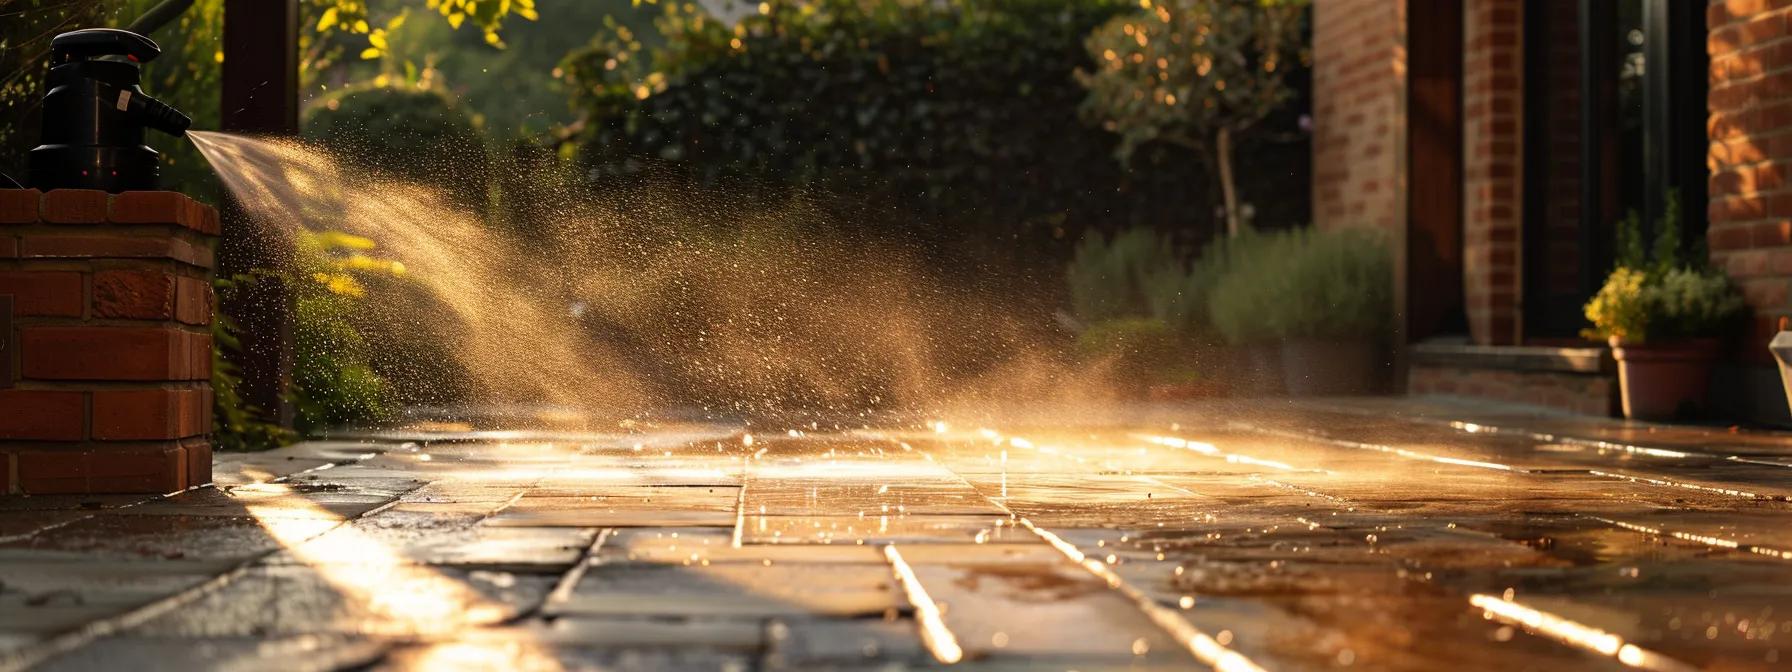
x=158, y=16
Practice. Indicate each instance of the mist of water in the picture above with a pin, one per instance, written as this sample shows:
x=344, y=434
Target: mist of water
x=655, y=298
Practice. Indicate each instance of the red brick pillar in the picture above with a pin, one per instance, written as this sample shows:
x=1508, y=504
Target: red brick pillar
x=1750, y=126
x=106, y=381
x=1359, y=81
x=1492, y=158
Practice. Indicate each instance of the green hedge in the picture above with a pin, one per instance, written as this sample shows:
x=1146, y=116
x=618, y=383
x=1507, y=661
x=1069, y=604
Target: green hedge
x=408, y=132
x=953, y=120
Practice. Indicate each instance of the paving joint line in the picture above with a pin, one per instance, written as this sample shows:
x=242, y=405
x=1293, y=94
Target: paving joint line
x=569, y=581
x=938, y=638
x=37, y=652
x=22, y=536
x=1203, y=646
x=1562, y=630
x=1469, y=427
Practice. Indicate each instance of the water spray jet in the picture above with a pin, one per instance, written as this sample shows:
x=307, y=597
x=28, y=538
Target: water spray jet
x=95, y=114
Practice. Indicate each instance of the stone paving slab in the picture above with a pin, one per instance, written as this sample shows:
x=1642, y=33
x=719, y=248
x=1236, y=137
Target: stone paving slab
x=733, y=590
x=377, y=599
x=301, y=653
x=1317, y=535
x=174, y=536
x=807, y=644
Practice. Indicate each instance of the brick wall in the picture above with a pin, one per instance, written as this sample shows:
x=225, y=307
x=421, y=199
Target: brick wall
x=1359, y=76
x=1492, y=136
x=1750, y=126
x=107, y=387
x=1573, y=392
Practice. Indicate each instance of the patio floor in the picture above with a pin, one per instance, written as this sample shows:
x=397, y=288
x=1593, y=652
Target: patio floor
x=1377, y=534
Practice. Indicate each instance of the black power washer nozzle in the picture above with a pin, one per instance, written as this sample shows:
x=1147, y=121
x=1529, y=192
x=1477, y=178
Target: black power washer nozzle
x=94, y=114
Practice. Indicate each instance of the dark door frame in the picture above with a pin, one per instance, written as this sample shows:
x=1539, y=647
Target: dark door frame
x=1435, y=303
x=1674, y=140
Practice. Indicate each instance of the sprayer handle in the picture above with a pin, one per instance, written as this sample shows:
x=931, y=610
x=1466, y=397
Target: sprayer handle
x=92, y=42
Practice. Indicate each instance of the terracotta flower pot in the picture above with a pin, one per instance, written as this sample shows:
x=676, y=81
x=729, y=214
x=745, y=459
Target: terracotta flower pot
x=1325, y=367
x=1664, y=381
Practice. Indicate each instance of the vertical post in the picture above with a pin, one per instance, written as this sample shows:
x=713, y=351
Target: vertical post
x=260, y=97
x=1676, y=74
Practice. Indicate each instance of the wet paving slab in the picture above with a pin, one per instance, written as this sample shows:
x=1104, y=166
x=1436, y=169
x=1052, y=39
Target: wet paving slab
x=1331, y=534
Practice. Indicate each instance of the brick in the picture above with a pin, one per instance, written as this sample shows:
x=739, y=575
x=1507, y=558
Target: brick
x=164, y=207
x=1779, y=262
x=1765, y=293
x=116, y=247
x=1732, y=237
x=199, y=356
x=43, y=415
x=1771, y=176
x=1772, y=234
x=124, y=415
x=19, y=206
x=158, y=468
x=193, y=301
x=1764, y=28
x=135, y=295
x=106, y=353
x=74, y=206
x=1737, y=152
x=1746, y=264
x=199, y=459
x=44, y=293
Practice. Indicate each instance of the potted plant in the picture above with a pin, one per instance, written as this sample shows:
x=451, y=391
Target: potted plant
x=1130, y=311
x=1324, y=299
x=1237, y=267
x=1663, y=318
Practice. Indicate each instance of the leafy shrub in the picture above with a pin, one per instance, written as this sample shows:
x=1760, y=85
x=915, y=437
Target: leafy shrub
x=412, y=133
x=1666, y=292
x=236, y=424
x=1304, y=283
x=1123, y=277
x=953, y=121
x=1178, y=298
x=333, y=381
x=1638, y=306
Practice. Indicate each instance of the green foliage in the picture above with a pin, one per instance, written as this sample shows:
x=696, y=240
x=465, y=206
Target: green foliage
x=236, y=424
x=333, y=380
x=1669, y=249
x=1179, y=299
x=1304, y=283
x=1638, y=306
x=1182, y=70
x=1139, y=350
x=951, y=121
x=413, y=133
x=1617, y=310
x=1123, y=277
x=1666, y=293
x=346, y=30
x=1198, y=74
x=515, y=91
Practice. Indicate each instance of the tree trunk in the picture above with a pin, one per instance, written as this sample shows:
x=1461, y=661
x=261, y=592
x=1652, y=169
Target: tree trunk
x=1223, y=151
